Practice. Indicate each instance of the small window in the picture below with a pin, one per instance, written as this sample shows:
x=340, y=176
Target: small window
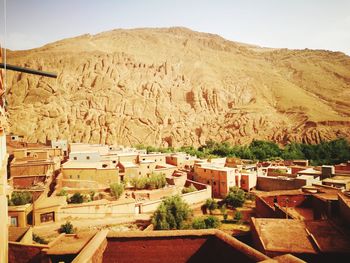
x=114, y=161
x=104, y=165
x=47, y=217
x=87, y=157
x=143, y=159
x=70, y=177
x=205, y=170
x=13, y=138
x=148, y=166
x=56, y=146
x=14, y=221
x=139, y=173
x=78, y=176
x=75, y=158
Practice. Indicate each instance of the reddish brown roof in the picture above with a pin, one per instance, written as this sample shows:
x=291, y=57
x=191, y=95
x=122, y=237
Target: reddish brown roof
x=16, y=233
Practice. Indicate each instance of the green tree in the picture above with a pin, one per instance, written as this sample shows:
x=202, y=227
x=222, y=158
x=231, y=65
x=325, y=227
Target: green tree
x=76, y=198
x=198, y=223
x=117, y=190
x=67, y=228
x=205, y=222
x=238, y=216
x=223, y=210
x=211, y=205
x=236, y=197
x=20, y=198
x=171, y=214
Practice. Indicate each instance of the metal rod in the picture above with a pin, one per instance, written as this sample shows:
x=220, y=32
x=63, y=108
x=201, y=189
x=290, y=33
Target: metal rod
x=28, y=70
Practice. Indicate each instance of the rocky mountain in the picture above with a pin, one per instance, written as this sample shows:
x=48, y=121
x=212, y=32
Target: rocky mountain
x=173, y=87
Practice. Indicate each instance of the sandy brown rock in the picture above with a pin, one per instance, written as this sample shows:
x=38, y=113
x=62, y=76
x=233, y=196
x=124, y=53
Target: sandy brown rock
x=174, y=87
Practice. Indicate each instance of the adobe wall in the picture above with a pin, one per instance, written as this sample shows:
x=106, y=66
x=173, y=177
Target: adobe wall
x=189, y=198
x=27, y=181
x=272, y=184
x=78, y=183
x=263, y=209
x=32, y=169
x=155, y=194
x=97, y=209
x=148, y=249
x=93, y=251
x=344, y=208
x=24, y=253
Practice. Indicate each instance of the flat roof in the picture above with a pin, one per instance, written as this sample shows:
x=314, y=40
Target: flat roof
x=283, y=235
x=328, y=238
x=70, y=244
x=297, y=236
x=337, y=179
x=128, y=164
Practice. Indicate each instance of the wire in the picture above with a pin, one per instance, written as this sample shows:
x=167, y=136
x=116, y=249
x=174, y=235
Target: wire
x=92, y=213
x=5, y=55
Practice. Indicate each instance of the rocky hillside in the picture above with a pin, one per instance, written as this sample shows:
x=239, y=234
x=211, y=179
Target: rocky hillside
x=174, y=87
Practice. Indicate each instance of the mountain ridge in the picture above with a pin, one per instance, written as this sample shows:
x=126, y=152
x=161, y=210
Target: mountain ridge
x=174, y=86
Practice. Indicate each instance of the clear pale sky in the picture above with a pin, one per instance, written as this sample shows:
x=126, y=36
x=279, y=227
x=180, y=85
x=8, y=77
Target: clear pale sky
x=297, y=24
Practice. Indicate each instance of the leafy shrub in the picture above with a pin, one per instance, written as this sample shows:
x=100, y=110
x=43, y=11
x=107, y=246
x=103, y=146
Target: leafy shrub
x=171, y=214
x=206, y=222
x=211, y=205
x=77, y=198
x=20, y=198
x=63, y=192
x=117, y=190
x=189, y=189
x=238, y=216
x=153, y=181
x=198, y=223
x=39, y=239
x=67, y=228
x=236, y=197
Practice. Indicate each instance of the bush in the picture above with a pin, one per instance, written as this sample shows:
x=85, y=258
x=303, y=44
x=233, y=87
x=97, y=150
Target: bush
x=92, y=195
x=63, y=192
x=20, y=198
x=198, y=223
x=67, y=228
x=39, y=239
x=77, y=198
x=153, y=181
x=206, y=222
x=223, y=210
x=211, y=205
x=237, y=216
x=189, y=189
x=117, y=190
x=236, y=197
x=171, y=214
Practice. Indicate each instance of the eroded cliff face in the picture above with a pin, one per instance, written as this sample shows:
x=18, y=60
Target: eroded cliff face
x=174, y=87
